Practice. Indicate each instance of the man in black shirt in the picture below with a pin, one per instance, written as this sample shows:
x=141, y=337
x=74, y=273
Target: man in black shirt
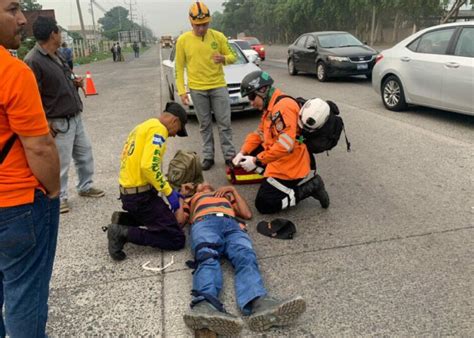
x=59, y=86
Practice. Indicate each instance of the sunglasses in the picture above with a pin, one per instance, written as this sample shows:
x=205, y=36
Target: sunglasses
x=252, y=96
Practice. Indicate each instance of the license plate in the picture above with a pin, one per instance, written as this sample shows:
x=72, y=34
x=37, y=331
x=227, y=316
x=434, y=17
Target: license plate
x=362, y=66
x=234, y=100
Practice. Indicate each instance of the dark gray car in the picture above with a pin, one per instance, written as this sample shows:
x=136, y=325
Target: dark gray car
x=330, y=54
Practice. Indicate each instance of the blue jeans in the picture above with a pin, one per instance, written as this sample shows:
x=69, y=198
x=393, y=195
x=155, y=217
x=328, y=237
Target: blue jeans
x=234, y=244
x=28, y=235
x=214, y=100
x=73, y=142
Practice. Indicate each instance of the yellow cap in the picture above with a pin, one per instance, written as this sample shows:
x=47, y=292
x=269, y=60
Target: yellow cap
x=199, y=13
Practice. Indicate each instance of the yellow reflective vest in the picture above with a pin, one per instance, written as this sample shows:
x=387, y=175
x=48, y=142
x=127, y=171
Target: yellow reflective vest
x=142, y=157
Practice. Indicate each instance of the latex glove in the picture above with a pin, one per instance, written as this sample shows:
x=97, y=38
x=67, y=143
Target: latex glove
x=248, y=163
x=173, y=199
x=236, y=160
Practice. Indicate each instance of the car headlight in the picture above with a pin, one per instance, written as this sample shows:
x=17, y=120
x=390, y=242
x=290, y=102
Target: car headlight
x=338, y=58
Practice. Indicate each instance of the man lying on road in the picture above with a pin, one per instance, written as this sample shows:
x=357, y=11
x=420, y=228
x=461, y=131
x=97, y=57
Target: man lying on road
x=216, y=232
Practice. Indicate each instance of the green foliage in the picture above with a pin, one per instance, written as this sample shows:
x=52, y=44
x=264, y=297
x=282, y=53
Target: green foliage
x=284, y=20
x=116, y=20
x=25, y=47
x=31, y=5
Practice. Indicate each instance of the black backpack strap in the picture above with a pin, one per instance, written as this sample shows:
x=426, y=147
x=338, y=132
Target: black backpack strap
x=7, y=147
x=348, y=144
x=281, y=97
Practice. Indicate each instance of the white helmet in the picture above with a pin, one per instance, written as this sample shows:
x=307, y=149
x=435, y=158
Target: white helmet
x=314, y=114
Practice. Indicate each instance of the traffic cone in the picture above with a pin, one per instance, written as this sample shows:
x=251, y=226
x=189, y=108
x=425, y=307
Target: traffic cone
x=90, y=87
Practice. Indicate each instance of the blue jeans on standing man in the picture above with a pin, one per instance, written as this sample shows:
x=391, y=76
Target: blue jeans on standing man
x=217, y=101
x=222, y=236
x=28, y=236
x=73, y=142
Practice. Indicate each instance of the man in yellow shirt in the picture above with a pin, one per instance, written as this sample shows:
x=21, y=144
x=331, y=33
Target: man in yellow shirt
x=141, y=179
x=204, y=52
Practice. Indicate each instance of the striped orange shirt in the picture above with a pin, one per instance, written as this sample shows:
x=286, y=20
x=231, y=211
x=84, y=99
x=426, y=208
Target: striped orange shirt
x=206, y=203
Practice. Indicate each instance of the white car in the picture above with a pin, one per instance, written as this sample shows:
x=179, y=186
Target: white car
x=234, y=75
x=434, y=67
x=249, y=52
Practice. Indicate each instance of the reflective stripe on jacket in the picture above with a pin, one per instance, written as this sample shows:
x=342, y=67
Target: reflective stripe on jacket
x=284, y=156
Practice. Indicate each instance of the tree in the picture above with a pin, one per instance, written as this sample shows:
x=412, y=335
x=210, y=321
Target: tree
x=454, y=11
x=116, y=20
x=31, y=5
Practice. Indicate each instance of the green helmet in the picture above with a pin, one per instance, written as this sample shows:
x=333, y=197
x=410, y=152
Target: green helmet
x=254, y=81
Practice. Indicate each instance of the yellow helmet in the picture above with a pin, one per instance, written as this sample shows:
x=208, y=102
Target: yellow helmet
x=199, y=13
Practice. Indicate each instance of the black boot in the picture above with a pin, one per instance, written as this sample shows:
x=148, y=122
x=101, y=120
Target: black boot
x=314, y=188
x=207, y=164
x=124, y=218
x=268, y=312
x=205, y=316
x=117, y=236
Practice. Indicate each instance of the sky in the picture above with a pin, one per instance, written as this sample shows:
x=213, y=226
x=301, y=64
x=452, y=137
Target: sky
x=162, y=16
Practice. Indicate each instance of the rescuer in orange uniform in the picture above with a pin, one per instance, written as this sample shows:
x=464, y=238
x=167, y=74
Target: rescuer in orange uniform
x=284, y=159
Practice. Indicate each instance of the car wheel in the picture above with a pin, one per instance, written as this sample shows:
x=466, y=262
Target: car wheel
x=291, y=67
x=393, y=96
x=321, y=72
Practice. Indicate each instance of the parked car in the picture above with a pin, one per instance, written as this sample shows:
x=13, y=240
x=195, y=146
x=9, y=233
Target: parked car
x=434, y=67
x=249, y=52
x=330, y=54
x=234, y=73
x=256, y=45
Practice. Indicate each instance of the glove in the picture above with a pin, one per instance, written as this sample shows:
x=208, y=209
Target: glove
x=248, y=163
x=173, y=200
x=236, y=160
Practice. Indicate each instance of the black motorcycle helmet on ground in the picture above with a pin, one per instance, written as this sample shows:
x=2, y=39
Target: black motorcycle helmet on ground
x=256, y=83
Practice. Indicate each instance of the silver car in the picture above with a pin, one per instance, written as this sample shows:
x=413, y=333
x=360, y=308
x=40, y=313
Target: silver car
x=234, y=75
x=434, y=67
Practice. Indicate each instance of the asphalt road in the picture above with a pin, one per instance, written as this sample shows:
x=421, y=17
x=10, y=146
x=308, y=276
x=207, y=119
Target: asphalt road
x=391, y=256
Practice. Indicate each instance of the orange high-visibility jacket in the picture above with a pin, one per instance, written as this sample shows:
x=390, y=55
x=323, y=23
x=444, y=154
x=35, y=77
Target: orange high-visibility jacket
x=284, y=156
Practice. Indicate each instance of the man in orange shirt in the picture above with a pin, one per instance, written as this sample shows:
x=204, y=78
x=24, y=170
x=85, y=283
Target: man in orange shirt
x=275, y=146
x=217, y=232
x=29, y=190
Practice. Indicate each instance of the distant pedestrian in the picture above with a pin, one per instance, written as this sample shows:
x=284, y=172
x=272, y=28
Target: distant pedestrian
x=63, y=108
x=136, y=49
x=114, y=52
x=29, y=190
x=118, y=50
x=67, y=54
x=204, y=52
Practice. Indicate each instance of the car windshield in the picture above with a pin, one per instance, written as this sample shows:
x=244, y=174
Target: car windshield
x=241, y=59
x=253, y=41
x=338, y=40
x=244, y=45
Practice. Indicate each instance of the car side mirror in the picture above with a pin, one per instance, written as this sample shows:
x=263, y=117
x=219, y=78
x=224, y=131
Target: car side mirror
x=253, y=58
x=365, y=42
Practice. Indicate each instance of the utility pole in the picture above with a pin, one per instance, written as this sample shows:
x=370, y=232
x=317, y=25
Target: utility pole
x=93, y=24
x=83, y=31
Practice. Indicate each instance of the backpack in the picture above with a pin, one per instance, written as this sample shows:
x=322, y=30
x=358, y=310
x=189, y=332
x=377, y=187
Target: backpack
x=184, y=167
x=326, y=137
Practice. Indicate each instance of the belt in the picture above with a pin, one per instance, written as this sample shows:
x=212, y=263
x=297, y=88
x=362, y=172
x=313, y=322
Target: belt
x=135, y=190
x=219, y=214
